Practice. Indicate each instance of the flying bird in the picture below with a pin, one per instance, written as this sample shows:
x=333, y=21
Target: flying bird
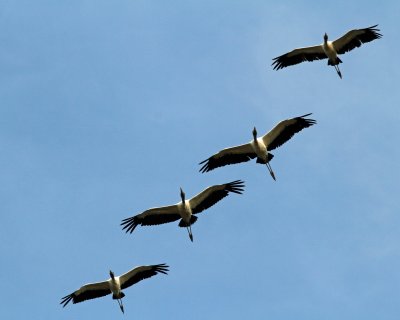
x=329, y=49
x=185, y=209
x=114, y=285
x=258, y=147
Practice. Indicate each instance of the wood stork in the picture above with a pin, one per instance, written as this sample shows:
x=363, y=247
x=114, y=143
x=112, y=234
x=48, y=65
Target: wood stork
x=184, y=210
x=114, y=285
x=329, y=49
x=258, y=147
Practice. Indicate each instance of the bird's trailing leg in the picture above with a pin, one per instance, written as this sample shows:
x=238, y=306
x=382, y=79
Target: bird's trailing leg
x=338, y=70
x=189, y=229
x=270, y=171
x=121, y=306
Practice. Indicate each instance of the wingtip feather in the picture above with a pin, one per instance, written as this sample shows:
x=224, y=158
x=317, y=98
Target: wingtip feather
x=65, y=300
x=236, y=186
x=129, y=224
x=162, y=268
x=205, y=167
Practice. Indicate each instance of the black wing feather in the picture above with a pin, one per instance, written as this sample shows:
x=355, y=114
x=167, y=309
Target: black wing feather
x=289, y=131
x=292, y=58
x=216, y=162
x=144, y=274
x=369, y=34
x=219, y=192
x=77, y=297
x=129, y=224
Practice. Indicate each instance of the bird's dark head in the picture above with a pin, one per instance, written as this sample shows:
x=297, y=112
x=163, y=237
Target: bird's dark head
x=254, y=133
x=182, y=195
x=325, y=37
x=112, y=275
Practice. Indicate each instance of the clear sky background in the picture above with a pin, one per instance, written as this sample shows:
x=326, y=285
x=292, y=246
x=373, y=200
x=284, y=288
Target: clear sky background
x=106, y=109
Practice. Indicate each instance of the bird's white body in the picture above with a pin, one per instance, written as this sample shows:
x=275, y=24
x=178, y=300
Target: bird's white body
x=185, y=211
x=259, y=148
x=115, y=286
x=330, y=51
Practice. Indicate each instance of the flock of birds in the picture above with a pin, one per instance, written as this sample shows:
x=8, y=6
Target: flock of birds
x=259, y=148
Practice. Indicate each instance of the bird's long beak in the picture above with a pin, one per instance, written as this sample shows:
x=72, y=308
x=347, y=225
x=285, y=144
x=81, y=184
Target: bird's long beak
x=182, y=196
x=254, y=133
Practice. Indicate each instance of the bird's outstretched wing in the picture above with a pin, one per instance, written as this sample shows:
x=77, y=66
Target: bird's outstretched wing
x=151, y=217
x=299, y=55
x=140, y=273
x=86, y=292
x=285, y=130
x=355, y=38
x=242, y=153
x=212, y=195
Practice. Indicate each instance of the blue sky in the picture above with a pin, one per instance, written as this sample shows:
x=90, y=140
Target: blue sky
x=108, y=106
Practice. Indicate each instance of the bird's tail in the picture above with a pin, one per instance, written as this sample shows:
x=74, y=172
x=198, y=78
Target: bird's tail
x=269, y=158
x=183, y=224
x=120, y=296
x=337, y=61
